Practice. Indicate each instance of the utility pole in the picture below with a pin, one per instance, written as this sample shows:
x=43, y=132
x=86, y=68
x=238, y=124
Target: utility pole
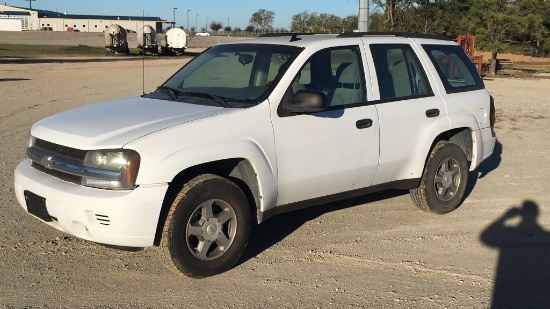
x=188, y=19
x=30, y=3
x=363, y=25
x=196, y=25
x=174, y=21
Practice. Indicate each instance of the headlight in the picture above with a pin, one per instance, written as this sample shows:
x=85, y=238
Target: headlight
x=120, y=169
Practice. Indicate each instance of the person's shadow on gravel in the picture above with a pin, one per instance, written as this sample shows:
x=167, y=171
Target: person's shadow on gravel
x=522, y=277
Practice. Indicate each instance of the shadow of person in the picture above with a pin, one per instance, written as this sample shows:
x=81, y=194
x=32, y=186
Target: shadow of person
x=522, y=278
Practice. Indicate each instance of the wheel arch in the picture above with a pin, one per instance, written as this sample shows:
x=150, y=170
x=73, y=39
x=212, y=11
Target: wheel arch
x=459, y=136
x=238, y=170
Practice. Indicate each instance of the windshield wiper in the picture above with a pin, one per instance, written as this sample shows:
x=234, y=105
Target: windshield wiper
x=171, y=92
x=221, y=100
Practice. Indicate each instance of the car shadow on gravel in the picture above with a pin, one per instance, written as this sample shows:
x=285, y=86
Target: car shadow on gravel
x=277, y=228
x=522, y=274
x=486, y=167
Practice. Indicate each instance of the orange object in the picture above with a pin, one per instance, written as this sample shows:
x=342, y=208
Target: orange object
x=468, y=43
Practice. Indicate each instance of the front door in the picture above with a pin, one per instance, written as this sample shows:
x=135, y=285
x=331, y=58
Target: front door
x=334, y=151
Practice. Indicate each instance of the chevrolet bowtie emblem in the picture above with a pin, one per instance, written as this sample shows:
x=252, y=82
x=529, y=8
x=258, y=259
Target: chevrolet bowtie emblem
x=47, y=162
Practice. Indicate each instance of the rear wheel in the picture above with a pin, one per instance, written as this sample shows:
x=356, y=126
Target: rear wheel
x=207, y=228
x=444, y=179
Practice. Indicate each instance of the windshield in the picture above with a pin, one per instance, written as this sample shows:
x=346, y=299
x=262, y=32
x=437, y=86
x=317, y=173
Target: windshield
x=233, y=75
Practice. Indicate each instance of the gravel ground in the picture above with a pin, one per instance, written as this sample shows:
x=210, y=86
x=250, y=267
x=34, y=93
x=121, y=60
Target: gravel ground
x=377, y=251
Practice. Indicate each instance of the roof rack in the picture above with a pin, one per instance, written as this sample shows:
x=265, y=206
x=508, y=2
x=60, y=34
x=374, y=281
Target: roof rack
x=277, y=34
x=399, y=34
x=293, y=35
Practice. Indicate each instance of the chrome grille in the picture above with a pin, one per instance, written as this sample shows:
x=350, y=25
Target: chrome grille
x=64, y=151
x=57, y=174
x=55, y=150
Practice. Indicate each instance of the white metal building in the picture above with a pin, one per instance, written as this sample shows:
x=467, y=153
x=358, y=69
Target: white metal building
x=32, y=19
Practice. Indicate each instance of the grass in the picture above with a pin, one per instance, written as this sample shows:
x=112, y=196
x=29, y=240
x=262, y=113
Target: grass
x=36, y=51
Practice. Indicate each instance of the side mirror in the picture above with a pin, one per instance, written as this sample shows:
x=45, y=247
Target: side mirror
x=307, y=101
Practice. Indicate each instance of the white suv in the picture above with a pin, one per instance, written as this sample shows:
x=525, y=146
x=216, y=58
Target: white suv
x=254, y=128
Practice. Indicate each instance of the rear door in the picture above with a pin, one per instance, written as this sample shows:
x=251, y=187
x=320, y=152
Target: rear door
x=409, y=108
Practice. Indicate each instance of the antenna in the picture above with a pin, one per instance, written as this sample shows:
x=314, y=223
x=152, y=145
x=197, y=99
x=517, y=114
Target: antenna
x=143, y=55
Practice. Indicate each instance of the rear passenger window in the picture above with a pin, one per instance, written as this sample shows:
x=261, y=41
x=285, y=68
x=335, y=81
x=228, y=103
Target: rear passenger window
x=455, y=68
x=399, y=72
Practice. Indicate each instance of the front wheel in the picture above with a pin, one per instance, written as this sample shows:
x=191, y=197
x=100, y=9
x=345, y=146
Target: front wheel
x=444, y=179
x=207, y=227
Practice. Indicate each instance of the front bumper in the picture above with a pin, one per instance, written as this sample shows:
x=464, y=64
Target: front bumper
x=121, y=218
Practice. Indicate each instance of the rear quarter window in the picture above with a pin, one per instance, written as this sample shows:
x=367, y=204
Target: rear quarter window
x=456, y=70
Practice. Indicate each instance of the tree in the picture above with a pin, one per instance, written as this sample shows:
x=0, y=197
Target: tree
x=316, y=23
x=535, y=27
x=263, y=20
x=494, y=22
x=227, y=29
x=301, y=22
x=216, y=25
x=350, y=23
x=250, y=28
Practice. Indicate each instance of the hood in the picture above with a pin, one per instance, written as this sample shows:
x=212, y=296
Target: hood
x=112, y=124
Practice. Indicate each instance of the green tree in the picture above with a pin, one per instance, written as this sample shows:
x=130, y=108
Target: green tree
x=535, y=28
x=350, y=23
x=263, y=20
x=494, y=22
x=216, y=25
x=301, y=22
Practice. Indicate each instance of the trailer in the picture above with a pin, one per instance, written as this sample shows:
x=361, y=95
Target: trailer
x=175, y=42
x=147, y=40
x=115, y=40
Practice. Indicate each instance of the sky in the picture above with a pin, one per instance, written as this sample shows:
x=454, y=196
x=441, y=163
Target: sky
x=238, y=12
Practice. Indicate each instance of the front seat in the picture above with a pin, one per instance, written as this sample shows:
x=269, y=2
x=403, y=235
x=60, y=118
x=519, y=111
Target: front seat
x=348, y=86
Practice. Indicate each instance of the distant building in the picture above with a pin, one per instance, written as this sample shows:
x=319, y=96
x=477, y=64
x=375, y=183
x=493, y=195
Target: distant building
x=33, y=19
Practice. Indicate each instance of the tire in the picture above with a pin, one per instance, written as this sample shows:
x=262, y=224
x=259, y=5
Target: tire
x=207, y=228
x=444, y=179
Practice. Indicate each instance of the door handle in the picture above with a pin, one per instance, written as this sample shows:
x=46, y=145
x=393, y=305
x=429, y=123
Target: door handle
x=432, y=113
x=363, y=123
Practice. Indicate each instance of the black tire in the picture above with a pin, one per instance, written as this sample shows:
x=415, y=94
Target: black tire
x=207, y=228
x=444, y=179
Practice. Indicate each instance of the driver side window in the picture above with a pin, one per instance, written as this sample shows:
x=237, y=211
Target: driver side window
x=337, y=72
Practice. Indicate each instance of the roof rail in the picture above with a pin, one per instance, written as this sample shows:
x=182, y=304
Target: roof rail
x=399, y=34
x=293, y=35
x=277, y=34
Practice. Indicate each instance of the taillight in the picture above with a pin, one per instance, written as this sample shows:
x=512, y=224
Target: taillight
x=493, y=116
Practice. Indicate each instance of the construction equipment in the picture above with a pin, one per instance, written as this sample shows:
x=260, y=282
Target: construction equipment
x=468, y=42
